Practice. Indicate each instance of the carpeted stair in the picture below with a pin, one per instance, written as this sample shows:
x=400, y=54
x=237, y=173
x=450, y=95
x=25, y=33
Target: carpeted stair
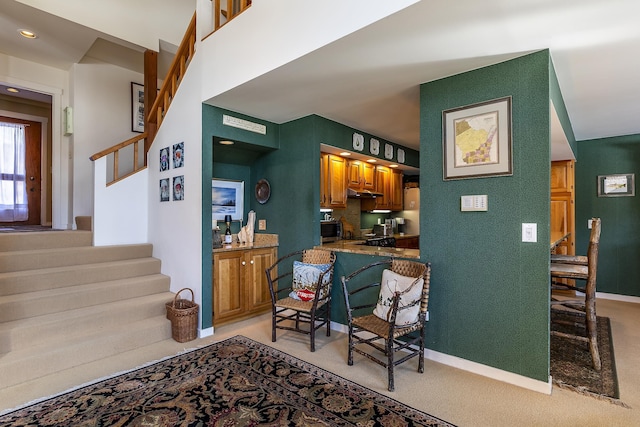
x=65, y=303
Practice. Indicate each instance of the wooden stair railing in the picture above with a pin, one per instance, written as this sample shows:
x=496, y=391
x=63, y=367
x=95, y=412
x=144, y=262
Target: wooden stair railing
x=156, y=113
x=234, y=8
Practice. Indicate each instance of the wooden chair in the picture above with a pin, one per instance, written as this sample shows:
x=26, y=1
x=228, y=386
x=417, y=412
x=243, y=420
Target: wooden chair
x=310, y=270
x=400, y=312
x=584, y=270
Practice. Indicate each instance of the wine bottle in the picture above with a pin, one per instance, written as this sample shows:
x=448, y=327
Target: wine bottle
x=227, y=235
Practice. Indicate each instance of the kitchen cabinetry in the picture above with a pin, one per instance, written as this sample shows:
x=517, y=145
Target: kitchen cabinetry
x=563, y=204
x=333, y=181
x=408, y=242
x=361, y=175
x=240, y=288
x=389, y=183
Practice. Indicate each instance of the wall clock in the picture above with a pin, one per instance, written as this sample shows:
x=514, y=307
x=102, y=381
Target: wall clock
x=388, y=151
x=358, y=142
x=374, y=146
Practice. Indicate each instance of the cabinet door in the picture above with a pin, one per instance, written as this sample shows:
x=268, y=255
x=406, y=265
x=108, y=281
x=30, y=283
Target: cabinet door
x=259, y=261
x=383, y=185
x=397, y=191
x=228, y=279
x=368, y=176
x=324, y=174
x=563, y=203
x=354, y=174
x=337, y=182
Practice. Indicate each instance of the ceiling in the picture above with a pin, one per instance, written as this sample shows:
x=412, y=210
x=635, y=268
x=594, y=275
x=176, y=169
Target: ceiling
x=369, y=80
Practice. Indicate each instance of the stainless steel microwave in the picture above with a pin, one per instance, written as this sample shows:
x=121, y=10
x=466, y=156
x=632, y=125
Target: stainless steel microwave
x=330, y=231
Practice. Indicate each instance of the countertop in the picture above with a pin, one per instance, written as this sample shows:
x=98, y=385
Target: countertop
x=259, y=241
x=357, y=247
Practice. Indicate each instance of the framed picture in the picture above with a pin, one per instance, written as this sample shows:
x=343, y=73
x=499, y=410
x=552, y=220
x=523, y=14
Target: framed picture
x=477, y=140
x=164, y=190
x=178, y=155
x=178, y=187
x=616, y=185
x=137, y=107
x=227, y=198
x=164, y=159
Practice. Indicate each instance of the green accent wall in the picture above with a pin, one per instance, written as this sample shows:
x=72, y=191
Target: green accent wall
x=619, y=250
x=489, y=299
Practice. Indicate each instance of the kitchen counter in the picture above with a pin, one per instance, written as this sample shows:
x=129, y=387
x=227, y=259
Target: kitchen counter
x=259, y=241
x=358, y=247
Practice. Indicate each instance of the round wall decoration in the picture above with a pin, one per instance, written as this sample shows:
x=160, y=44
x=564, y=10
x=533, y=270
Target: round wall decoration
x=263, y=191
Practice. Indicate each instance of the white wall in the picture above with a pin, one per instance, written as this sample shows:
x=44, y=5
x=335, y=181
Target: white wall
x=174, y=227
x=55, y=82
x=102, y=118
x=261, y=41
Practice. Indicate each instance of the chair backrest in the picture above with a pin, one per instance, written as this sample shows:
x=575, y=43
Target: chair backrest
x=415, y=269
x=592, y=251
x=317, y=256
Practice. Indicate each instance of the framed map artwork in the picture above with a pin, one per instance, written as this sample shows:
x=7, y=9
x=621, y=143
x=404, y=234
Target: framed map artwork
x=476, y=140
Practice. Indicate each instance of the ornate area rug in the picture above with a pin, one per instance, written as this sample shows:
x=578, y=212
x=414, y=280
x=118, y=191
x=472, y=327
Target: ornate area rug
x=571, y=365
x=236, y=382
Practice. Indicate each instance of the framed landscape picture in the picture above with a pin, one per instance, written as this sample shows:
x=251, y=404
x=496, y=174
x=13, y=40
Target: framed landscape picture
x=477, y=140
x=616, y=185
x=227, y=198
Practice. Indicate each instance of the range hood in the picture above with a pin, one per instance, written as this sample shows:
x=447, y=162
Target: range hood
x=362, y=194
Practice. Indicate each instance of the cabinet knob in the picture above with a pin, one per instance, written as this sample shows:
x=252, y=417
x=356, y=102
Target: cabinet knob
x=252, y=262
x=244, y=263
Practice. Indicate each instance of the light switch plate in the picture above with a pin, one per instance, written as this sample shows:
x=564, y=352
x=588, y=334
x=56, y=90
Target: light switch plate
x=529, y=232
x=476, y=203
x=262, y=224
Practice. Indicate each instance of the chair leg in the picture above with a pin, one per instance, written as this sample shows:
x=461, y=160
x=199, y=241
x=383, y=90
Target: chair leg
x=350, y=355
x=312, y=331
x=421, y=355
x=328, y=317
x=592, y=334
x=273, y=327
x=389, y=345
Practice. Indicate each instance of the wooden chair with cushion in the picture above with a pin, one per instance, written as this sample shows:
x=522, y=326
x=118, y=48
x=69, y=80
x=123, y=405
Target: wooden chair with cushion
x=397, y=317
x=582, y=270
x=300, y=287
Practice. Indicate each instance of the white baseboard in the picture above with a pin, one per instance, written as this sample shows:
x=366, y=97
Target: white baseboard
x=203, y=333
x=476, y=368
x=617, y=297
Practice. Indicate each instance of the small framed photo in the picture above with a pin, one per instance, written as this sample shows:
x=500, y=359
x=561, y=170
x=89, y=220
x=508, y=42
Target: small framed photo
x=227, y=198
x=164, y=190
x=476, y=140
x=137, y=107
x=164, y=159
x=178, y=155
x=178, y=187
x=619, y=185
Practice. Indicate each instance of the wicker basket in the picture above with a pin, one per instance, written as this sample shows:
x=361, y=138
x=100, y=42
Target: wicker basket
x=184, y=317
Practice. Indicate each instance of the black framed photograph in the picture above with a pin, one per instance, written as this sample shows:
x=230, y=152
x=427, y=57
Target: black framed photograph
x=137, y=107
x=164, y=159
x=178, y=187
x=227, y=198
x=619, y=185
x=164, y=190
x=477, y=140
x=178, y=155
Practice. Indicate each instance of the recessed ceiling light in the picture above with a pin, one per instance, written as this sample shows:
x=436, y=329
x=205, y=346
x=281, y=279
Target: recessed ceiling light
x=226, y=142
x=12, y=90
x=372, y=160
x=393, y=166
x=28, y=34
x=345, y=153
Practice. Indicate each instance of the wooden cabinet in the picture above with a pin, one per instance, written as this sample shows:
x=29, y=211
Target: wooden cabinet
x=389, y=183
x=361, y=175
x=397, y=191
x=410, y=242
x=240, y=288
x=563, y=203
x=333, y=181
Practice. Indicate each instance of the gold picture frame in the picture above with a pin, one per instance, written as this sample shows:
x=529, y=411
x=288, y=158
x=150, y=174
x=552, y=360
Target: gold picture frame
x=476, y=140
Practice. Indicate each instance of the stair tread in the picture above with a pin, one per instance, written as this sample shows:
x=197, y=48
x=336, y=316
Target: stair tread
x=50, y=270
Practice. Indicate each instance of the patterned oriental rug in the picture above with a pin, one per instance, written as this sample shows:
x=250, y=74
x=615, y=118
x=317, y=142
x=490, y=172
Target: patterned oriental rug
x=236, y=382
x=571, y=365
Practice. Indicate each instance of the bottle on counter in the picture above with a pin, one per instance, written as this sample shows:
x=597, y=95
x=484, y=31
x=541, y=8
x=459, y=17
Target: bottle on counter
x=227, y=234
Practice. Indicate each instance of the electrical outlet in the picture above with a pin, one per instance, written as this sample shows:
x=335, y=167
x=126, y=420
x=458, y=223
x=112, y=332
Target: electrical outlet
x=262, y=224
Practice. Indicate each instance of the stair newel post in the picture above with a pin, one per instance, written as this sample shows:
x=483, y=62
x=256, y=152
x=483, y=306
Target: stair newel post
x=150, y=95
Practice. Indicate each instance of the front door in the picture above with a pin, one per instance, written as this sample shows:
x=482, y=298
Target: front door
x=33, y=169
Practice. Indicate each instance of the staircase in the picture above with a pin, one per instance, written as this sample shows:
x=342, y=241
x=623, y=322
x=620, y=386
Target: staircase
x=67, y=305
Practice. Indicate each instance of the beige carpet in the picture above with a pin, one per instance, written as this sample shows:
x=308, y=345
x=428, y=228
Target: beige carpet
x=459, y=397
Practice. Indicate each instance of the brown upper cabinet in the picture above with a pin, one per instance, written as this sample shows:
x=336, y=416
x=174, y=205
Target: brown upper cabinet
x=389, y=183
x=333, y=181
x=361, y=175
x=563, y=204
